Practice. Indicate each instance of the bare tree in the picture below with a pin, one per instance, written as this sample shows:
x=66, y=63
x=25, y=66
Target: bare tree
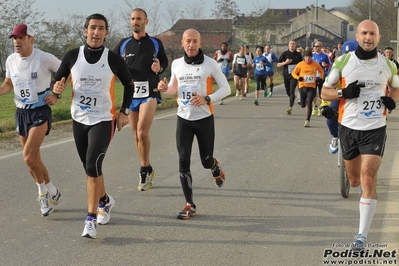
x=196, y=11
x=172, y=13
x=225, y=9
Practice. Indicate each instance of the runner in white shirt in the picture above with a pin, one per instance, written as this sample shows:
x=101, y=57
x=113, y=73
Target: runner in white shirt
x=192, y=79
x=363, y=76
x=28, y=72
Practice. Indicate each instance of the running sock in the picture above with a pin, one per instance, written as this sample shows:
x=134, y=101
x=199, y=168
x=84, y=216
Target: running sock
x=51, y=188
x=187, y=185
x=366, y=209
x=271, y=87
x=91, y=216
x=104, y=199
x=149, y=169
x=41, y=188
x=143, y=173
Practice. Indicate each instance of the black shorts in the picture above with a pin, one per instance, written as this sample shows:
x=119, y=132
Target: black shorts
x=356, y=142
x=25, y=119
x=243, y=76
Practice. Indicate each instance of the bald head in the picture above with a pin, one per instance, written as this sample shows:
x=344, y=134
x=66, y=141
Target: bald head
x=368, y=35
x=191, y=42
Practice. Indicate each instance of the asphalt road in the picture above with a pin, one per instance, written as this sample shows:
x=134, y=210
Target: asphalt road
x=280, y=205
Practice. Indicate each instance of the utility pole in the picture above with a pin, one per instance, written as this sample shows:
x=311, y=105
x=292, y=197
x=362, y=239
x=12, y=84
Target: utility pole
x=370, y=8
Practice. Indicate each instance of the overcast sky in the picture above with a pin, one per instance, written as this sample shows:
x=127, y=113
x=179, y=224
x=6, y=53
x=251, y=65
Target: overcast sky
x=86, y=7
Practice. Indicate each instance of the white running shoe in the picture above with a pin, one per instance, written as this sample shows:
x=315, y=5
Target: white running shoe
x=104, y=212
x=148, y=181
x=333, y=148
x=45, y=208
x=56, y=198
x=360, y=243
x=90, y=229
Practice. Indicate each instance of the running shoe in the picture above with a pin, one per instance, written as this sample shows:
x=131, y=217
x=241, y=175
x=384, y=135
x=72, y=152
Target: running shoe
x=333, y=147
x=56, y=198
x=221, y=102
x=271, y=94
x=307, y=123
x=218, y=175
x=319, y=112
x=237, y=93
x=360, y=243
x=145, y=182
x=104, y=211
x=314, y=112
x=45, y=208
x=90, y=229
x=256, y=102
x=188, y=211
x=240, y=98
x=265, y=93
x=289, y=110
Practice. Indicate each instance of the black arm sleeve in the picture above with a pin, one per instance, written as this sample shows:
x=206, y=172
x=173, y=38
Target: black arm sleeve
x=66, y=64
x=163, y=59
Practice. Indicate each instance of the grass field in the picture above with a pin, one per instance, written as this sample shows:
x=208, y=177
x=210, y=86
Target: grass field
x=61, y=111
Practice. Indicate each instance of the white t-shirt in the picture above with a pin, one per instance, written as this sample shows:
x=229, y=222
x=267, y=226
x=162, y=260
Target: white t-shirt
x=31, y=77
x=189, y=78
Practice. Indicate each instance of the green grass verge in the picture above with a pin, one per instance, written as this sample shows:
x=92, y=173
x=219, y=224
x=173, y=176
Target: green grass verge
x=61, y=111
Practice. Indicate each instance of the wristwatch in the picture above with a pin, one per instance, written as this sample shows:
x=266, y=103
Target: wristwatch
x=340, y=94
x=125, y=111
x=57, y=95
x=207, y=99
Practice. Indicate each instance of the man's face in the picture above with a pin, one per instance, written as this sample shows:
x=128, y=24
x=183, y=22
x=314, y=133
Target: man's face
x=223, y=47
x=267, y=49
x=23, y=45
x=318, y=46
x=191, y=43
x=138, y=21
x=292, y=45
x=96, y=33
x=388, y=53
x=368, y=35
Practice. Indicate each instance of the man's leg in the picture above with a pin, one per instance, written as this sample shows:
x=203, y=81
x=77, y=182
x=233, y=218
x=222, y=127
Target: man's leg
x=31, y=152
x=141, y=123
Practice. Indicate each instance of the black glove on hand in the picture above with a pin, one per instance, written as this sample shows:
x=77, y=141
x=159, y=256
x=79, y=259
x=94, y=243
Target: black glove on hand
x=300, y=78
x=388, y=102
x=220, y=60
x=352, y=90
x=328, y=112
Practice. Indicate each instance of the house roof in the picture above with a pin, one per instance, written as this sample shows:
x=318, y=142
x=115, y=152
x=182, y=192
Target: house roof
x=273, y=16
x=203, y=25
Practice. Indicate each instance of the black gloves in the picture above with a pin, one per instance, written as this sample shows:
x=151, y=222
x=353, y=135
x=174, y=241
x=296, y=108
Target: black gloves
x=388, y=102
x=220, y=60
x=328, y=112
x=352, y=90
x=300, y=78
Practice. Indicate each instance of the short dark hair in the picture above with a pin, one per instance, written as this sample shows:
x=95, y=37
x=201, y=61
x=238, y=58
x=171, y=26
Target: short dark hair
x=142, y=10
x=260, y=47
x=388, y=48
x=98, y=17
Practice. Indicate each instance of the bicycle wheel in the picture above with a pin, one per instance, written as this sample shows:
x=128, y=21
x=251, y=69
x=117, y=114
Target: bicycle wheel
x=343, y=176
